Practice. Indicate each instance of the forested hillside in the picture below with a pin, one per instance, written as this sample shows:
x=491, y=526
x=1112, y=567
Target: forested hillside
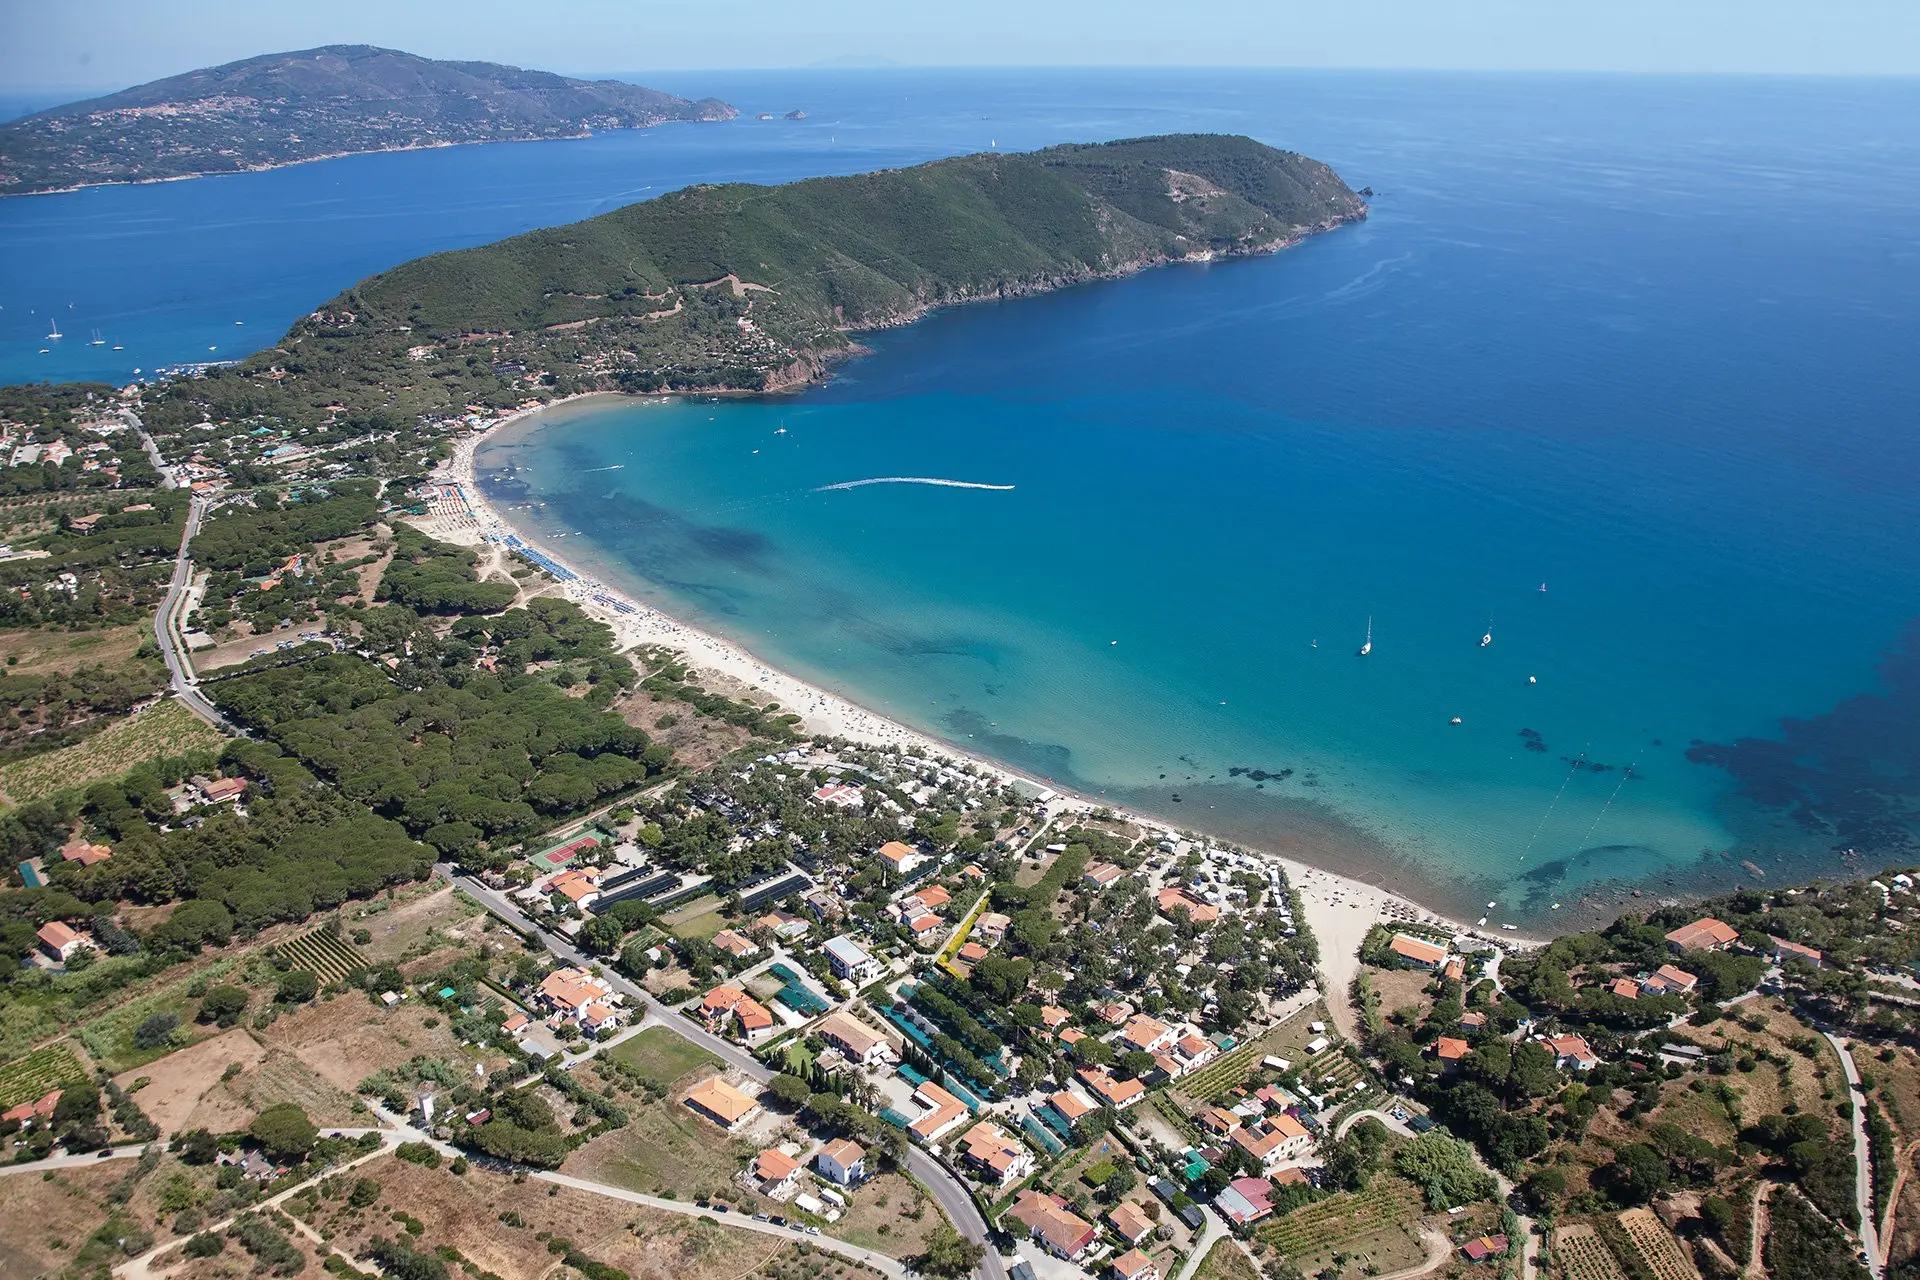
x=282, y=108
x=756, y=288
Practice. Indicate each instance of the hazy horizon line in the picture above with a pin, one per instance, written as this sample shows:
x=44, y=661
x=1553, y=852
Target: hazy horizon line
x=629, y=74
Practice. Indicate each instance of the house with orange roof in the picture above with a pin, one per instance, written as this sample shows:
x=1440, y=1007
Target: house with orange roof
x=925, y=929
x=1053, y=1017
x=783, y=924
x=1100, y=875
x=222, y=790
x=899, y=857
x=943, y=1112
x=1418, y=952
x=1455, y=970
x=933, y=897
x=1071, y=1036
x=1130, y=1221
x=728, y=1004
x=580, y=886
x=972, y=953
x=1625, y=988
x=991, y=926
x=1785, y=950
x=600, y=1016
x=40, y=1110
x=1218, y=1120
x=1070, y=1106
x=844, y=1162
x=1198, y=910
x=721, y=1103
x=1146, y=1035
x=776, y=1172
x=1194, y=1051
x=1118, y=1094
x=1452, y=1051
x=1668, y=980
x=1704, y=934
x=1281, y=1138
x=736, y=944
x=58, y=942
x=1057, y=1229
x=1573, y=1053
x=85, y=852
x=516, y=1023
x=855, y=1040
x=1114, y=1011
x=1134, y=1265
x=570, y=991
x=993, y=1155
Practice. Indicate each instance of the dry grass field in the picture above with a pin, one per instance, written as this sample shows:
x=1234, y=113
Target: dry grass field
x=168, y=729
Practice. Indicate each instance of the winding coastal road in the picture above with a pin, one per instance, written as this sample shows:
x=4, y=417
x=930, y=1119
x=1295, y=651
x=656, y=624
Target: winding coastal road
x=947, y=1189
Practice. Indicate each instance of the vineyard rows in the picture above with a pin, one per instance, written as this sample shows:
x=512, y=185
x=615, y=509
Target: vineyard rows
x=38, y=1074
x=1326, y=1223
x=329, y=957
x=1584, y=1255
x=1658, y=1249
x=1228, y=1071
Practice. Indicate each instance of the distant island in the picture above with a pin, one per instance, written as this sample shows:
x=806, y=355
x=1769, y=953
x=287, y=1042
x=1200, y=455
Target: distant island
x=755, y=288
x=284, y=108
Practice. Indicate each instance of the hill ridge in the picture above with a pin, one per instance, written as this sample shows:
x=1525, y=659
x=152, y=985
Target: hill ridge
x=286, y=108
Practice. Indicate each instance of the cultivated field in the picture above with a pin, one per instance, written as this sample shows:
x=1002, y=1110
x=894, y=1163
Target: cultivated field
x=34, y=1076
x=329, y=957
x=168, y=729
x=1657, y=1247
x=1373, y=1229
x=1583, y=1255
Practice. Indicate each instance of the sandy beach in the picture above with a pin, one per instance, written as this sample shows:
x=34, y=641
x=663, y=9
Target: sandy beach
x=1340, y=909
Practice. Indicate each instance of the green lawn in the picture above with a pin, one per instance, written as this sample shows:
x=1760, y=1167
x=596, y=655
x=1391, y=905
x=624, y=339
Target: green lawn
x=662, y=1055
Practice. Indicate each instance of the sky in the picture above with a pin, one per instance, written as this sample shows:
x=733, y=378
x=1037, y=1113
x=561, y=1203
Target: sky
x=114, y=43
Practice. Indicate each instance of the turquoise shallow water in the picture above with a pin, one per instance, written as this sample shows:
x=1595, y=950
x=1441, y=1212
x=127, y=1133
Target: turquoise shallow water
x=1647, y=344
x=1647, y=340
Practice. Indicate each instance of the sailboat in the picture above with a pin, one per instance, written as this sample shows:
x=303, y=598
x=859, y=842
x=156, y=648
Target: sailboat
x=1487, y=639
x=1367, y=648
x=98, y=341
x=54, y=334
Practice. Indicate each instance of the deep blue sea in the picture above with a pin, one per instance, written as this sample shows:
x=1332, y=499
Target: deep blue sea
x=1646, y=342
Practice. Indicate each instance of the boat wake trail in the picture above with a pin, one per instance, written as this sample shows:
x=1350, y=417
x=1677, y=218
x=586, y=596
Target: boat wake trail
x=947, y=484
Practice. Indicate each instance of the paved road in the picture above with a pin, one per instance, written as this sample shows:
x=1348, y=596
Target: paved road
x=1862, y=1164
x=167, y=480
x=71, y=1162
x=1215, y=1231
x=166, y=632
x=946, y=1189
x=878, y=1261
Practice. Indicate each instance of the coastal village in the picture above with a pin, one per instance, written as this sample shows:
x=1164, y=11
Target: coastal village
x=391, y=896
x=809, y=976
